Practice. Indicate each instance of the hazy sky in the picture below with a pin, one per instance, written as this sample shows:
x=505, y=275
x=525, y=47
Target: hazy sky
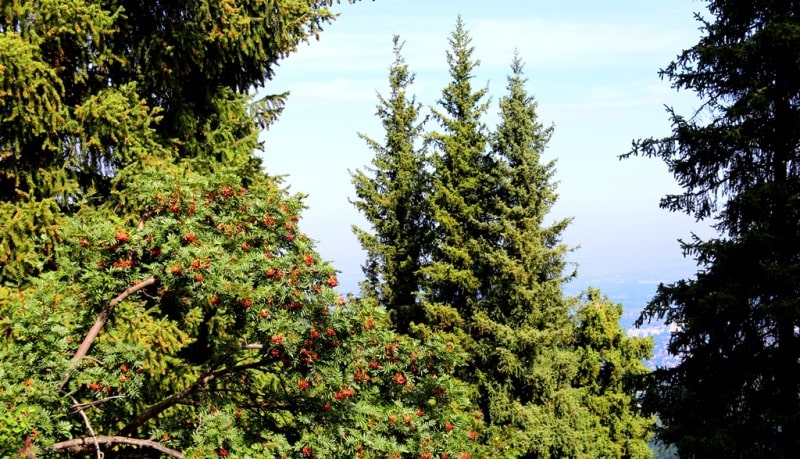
x=593, y=68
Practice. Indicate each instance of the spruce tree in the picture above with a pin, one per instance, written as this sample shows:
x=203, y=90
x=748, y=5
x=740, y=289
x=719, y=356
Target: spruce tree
x=611, y=367
x=520, y=323
x=553, y=382
x=461, y=186
x=736, y=389
x=392, y=196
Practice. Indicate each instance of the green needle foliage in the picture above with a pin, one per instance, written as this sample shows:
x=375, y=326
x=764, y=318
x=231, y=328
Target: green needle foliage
x=88, y=87
x=393, y=197
x=461, y=184
x=553, y=377
x=735, y=392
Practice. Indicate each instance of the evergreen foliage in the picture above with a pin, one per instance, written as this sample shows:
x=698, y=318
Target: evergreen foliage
x=551, y=381
x=392, y=195
x=90, y=86
x=461, y=185
x=735, y=391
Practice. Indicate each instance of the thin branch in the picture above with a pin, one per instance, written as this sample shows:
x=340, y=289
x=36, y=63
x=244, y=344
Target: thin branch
x=98, y=325
x=97, y=402
x=81, y=444
x=76, y=405
x=207, y=376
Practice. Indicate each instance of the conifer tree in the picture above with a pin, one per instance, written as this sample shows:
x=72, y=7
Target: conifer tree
x=736, y=390
x=610, y=369
x=461, y=186
x=392, y=196
x=550, y=383
x=520, y=323
x=541, y=396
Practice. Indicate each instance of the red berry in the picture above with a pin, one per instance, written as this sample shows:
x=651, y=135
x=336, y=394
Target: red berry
x=122, y=236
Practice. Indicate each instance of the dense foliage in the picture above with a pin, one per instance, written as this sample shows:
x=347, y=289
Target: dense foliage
x=211, y=328
x=555, y=376
x=88, y=87
x=392, y=196
x=156, y=294
x=735, y=391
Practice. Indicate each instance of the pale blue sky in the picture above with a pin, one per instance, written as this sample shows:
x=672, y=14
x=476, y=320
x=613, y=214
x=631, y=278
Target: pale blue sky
x=592, y=66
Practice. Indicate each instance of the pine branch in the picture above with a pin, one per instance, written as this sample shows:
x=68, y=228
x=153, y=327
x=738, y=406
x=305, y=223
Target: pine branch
x=78, y=445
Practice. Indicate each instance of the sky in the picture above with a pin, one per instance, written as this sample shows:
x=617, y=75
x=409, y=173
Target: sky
x=592, y=67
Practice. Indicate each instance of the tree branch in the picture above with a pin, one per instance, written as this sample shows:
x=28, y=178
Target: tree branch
x=81, y=444
x=207, y=376
x=95, y=403
x=98, y=324
x=77, y=406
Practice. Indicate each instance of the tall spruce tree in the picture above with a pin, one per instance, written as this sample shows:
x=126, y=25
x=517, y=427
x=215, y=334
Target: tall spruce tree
x=461, y=187
x=552, y=384
x=392, y=196
x=520, y=323
x=736, y=390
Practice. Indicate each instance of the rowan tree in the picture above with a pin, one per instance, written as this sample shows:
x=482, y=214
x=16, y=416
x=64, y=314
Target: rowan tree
x=211, y=328
x=734, y=391
x=392, y=194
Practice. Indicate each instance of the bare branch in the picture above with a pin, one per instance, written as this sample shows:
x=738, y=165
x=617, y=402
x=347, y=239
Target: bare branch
x=94, y=403
x=82, y=444
x=98, y=324
x=77, y=406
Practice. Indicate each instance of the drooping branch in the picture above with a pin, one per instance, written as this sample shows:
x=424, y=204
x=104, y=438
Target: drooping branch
x=78, y=445
x=101, y=320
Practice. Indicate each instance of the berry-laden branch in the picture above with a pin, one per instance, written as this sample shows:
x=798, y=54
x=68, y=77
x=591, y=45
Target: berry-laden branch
x=98, y=324
x=79, y=445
